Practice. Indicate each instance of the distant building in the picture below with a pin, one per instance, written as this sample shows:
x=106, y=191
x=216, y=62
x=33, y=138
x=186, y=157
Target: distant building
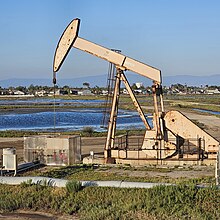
x=58, y=92
x=104, y=92
x=85, y=92
x=212, y=91
x=139, y=85
x=17, y=92
x=125, y=91
x=74, y=92
x=41, y=93
x=138, y=91
x=4, y=92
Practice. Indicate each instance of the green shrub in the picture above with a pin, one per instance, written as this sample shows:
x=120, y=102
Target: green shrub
x=43, y=183
x=161, y=202
x=73, y=186
x=88, y=130
x=26, y=183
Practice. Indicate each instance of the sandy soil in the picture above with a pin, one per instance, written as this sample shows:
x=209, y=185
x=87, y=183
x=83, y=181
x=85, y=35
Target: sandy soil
x=189, y=173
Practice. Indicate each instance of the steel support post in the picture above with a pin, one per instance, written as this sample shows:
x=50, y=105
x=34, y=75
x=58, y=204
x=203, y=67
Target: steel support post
x=113, y=116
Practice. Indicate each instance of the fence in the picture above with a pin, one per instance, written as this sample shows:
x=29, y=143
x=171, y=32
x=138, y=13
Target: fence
x=187, y=149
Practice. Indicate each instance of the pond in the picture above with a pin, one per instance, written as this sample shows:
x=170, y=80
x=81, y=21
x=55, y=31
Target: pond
x=207, y=111
x=66, y=120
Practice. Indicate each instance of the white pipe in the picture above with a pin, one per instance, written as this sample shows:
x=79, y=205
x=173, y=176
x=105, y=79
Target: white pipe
x=62, y=182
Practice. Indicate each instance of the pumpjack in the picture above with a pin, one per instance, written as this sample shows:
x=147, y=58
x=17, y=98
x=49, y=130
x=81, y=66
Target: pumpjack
x=170, y=130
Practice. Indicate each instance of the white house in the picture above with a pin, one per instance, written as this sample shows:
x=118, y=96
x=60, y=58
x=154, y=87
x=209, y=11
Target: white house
x=212, y=91
x=41, y=93
x=139, y=84
x=17, y=92
x=85, y=92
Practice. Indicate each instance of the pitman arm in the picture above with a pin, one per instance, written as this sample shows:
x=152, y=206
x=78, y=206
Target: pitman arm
x=70, y=39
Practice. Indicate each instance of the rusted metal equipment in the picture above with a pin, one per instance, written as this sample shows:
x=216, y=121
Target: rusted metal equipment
x=171, y=130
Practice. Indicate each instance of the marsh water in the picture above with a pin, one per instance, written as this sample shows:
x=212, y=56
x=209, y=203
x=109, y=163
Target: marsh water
x=62, y=119
x=207, y=111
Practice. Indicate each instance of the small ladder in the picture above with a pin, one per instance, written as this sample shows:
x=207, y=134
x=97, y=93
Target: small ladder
x=110, y=88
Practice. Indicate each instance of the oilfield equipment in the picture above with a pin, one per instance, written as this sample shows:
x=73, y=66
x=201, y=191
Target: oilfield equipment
x=9, y=161
x=50, y=150
x=61, y=150
x=173, y=137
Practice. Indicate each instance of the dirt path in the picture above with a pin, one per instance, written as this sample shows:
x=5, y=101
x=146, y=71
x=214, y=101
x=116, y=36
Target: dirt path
x=28, y=215
x=211, y=122
x=162, y=171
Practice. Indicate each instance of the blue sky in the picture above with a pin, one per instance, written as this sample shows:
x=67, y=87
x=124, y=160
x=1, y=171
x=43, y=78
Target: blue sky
x=176, y=36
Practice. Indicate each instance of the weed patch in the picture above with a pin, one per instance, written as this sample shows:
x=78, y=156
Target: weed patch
x=162, y=202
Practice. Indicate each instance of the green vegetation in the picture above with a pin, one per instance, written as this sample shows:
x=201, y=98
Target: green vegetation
x=73, y=186
x=40, y=183
x=92, y=203
x=183, y=201
x=189, y=101
x=86, y=132
x=13, y=133
x=197, y=98
x=205, y=102
x=190, y=105
x=50, y=106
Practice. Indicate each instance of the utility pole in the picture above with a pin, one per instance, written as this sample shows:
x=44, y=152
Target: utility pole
x=217, y=169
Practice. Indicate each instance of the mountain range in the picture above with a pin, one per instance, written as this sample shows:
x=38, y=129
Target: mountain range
x=101, y=81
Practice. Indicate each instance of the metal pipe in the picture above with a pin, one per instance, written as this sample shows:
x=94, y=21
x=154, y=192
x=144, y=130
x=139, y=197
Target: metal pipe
x=135, y=101
x=156, y=111
x=62, y=183
x=113, y=117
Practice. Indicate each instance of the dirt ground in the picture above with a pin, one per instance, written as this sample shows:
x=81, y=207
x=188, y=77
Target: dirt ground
x=28, y=215
x=180, y=172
